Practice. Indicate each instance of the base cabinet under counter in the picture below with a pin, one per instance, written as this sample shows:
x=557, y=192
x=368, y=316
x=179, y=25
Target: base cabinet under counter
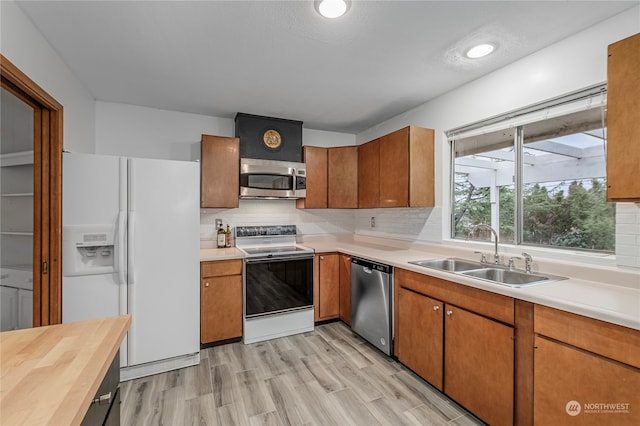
x=105, y=407
x=467, y=355
x=586, y=371
x=220, y=300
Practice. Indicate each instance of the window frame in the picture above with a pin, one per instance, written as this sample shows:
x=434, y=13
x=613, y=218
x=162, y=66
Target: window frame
x=516, y=121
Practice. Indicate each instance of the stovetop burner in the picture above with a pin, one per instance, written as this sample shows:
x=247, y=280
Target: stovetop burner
x=263, y=250
x=268, y=241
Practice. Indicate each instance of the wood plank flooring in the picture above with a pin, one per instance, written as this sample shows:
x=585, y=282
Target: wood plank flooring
x=329, y=376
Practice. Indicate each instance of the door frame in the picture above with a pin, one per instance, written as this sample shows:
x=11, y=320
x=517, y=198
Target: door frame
x=47, y=231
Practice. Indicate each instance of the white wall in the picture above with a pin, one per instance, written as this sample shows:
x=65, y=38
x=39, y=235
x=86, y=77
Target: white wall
x=572, y=64
x=23, y=45
x=137, y=131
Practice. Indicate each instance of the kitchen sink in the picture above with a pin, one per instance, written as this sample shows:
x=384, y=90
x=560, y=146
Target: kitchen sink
x=496, y=274
x=451, y=264
x=507, y=277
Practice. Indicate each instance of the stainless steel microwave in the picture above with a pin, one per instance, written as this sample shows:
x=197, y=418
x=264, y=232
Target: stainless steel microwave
x=272, y=179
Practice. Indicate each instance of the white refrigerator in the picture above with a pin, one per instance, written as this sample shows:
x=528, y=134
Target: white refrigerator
x=131, y=245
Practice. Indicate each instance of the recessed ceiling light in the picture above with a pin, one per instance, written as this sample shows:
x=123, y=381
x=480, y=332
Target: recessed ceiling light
x=332, y=8
x=480, y=50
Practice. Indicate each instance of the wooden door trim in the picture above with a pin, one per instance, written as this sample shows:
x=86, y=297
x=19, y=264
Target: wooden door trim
x=50, y=135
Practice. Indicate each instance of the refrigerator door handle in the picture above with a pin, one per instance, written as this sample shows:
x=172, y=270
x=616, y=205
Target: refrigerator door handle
x=121, y=241
x=130, y=248
x=131, y=222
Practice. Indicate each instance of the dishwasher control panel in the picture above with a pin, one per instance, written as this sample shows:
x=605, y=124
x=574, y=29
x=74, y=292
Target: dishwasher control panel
x=372, y=265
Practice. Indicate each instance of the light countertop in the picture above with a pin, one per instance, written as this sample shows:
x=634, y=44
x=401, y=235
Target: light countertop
x=51, y=374
x=220, y=254
x=604, y=293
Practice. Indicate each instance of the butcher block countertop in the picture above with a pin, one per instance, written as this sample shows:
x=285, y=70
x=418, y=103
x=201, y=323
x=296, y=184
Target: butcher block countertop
x=50, y=375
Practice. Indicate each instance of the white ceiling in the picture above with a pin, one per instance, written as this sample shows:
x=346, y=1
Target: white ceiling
x=282, y=59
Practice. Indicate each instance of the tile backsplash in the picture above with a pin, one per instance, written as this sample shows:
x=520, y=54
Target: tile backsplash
x=278, y=212
x=628, y=234
x=413, y=224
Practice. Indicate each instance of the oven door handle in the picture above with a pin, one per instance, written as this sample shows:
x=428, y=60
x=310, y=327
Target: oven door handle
x=277, y=258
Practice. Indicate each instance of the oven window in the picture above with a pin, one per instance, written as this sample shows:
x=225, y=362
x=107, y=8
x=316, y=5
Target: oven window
x=278, y=285
x=266, y=181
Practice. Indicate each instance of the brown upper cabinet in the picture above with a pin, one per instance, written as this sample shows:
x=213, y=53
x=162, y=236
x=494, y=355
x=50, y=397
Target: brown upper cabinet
x=342, y=171
x=397, y=170
x=219, y=172
x=316, y=160
x=623, y=125
x=332, y=175
x=369, y=175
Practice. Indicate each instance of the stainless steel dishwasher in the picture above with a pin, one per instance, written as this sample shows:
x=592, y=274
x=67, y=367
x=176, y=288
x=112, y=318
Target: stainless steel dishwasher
x=372, y=302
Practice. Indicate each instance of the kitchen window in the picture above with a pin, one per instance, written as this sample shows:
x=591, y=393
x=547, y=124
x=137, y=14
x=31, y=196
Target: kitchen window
x=537, y=175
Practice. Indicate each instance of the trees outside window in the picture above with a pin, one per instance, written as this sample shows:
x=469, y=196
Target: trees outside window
x=559, y=164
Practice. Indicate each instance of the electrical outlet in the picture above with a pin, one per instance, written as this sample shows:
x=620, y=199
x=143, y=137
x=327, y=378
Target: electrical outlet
x=218, y=223
x=373, y=221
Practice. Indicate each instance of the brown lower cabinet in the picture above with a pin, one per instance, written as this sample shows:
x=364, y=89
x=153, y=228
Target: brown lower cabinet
x=479, y=364
x=586, y=371
x=468, y=355
x=327, y=288
x=220, y=300
x=422, y=345
x=345, y=288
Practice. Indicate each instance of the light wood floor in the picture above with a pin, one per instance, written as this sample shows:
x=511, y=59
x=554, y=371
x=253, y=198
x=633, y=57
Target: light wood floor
x=326, y=377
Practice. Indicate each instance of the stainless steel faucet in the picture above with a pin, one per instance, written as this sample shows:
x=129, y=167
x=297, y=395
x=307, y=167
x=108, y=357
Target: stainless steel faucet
x=496, y=257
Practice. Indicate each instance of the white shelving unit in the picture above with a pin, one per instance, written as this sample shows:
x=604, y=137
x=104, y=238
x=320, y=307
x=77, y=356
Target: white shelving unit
x=16, y=239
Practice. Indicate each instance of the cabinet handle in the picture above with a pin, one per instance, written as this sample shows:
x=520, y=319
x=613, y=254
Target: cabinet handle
x=321, y=257
x=103, y=399
x=436, y=307
x=206, y=284
x=449, y=313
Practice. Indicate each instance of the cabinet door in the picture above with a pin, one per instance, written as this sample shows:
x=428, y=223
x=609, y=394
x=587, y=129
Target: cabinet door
x=25, y=308
x=369, y=175
x=421, y=167
x=394, y=169
x=345, y=288
x=329, y=287
x=343, y=177
x=219, y=172
x=570, y=384
x=316, y=160
x=420, y=323
x=623, y=126
x=479, y=365
x=9, y=299
x=220, y=308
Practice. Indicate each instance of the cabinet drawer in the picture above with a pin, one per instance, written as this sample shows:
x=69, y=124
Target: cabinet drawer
x=220, y=268
x=609, y=340
x=496, y=306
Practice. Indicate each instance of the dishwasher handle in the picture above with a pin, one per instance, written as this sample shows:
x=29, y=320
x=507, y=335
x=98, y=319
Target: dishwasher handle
x=369, y=266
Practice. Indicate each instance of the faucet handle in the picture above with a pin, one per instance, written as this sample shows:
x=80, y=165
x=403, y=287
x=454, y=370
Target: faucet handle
x=483, y=258
x=511, y=261
x=527, y=261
